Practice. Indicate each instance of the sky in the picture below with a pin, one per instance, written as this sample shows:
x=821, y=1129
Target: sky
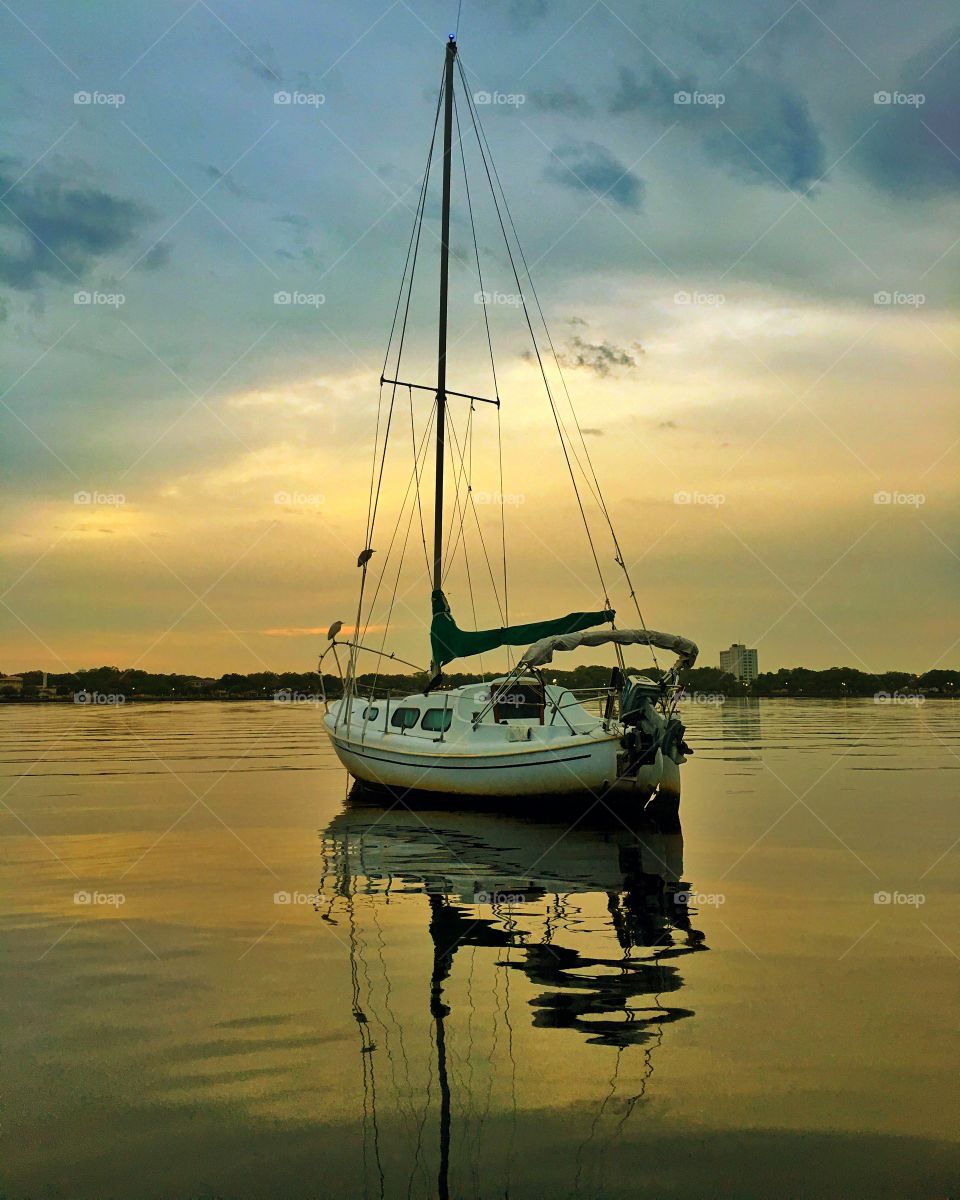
x=742, y=225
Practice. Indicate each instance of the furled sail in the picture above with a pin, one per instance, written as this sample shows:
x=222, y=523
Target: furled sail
x=448, y=641
x=542, y=651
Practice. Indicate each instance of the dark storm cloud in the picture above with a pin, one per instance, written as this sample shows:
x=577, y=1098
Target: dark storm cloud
x=58, y=229
x=591, y=168
x=913, y=149
x=754, y=126
x=599, y=357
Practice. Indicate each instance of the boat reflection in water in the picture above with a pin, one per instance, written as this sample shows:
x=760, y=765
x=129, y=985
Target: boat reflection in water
x=592, y=916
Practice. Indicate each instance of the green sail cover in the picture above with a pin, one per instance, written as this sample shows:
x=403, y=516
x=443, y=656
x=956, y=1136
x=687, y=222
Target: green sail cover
x=448, y=641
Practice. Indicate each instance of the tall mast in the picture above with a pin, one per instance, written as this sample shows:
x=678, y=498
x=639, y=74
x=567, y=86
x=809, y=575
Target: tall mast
x=444, y=277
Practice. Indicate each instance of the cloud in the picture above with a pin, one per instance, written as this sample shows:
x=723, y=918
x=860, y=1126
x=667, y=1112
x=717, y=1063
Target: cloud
x=913, y=149
x=592, y=432
x=58, y=229
x=523, y=14
x=565, y=99
x=590, y=167
x=156, y=258
x=757, y=128
x=224, y=178
x=599, y=357
x=261, y=63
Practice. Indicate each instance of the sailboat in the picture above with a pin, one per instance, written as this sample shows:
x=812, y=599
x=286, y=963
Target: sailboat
x=516, y=734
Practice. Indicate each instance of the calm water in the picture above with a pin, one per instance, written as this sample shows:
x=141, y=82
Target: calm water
x=304, y=995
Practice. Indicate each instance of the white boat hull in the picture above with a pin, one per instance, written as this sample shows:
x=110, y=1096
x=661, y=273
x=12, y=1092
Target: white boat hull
x=584, y=765
x=399, y=745
x=581, y=765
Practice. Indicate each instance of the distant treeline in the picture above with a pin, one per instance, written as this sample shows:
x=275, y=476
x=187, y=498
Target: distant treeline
x=105, y=685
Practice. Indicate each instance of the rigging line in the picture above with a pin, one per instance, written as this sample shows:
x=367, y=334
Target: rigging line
x=366, y=1046
x=476, y=250
x=473, y=1162
x=488, y=156
x=469, y=499
x=396, y=584
x=413, y=443
x=511, y=1143
x=383, y=573
x=414, y=247
x=388, y=1007
x=416, y=219
x=393, y=397
x=449, y=561
x=463, y=517
x=414, y=232
x=373, y=501
x=396, y=528
x=483, y=546
x=451, y=546
x=503, y=538
x=596, y=489
x=536, y=348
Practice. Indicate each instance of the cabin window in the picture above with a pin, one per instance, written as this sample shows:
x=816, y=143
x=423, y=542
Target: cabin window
x=404, y=718
x=521, y=700
x=437, y=720
x=370, y=714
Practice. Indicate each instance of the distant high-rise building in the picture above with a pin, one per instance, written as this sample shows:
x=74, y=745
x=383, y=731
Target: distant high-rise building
x=740, y=662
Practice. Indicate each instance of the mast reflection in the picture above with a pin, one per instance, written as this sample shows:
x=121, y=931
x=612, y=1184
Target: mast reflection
x=588, y=911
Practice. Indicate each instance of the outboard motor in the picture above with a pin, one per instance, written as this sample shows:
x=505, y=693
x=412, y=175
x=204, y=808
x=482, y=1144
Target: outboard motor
x=644, y=725
x=646, y=730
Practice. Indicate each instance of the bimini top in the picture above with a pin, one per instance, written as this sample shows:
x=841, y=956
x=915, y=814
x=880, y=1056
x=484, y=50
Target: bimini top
x=542, y=652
